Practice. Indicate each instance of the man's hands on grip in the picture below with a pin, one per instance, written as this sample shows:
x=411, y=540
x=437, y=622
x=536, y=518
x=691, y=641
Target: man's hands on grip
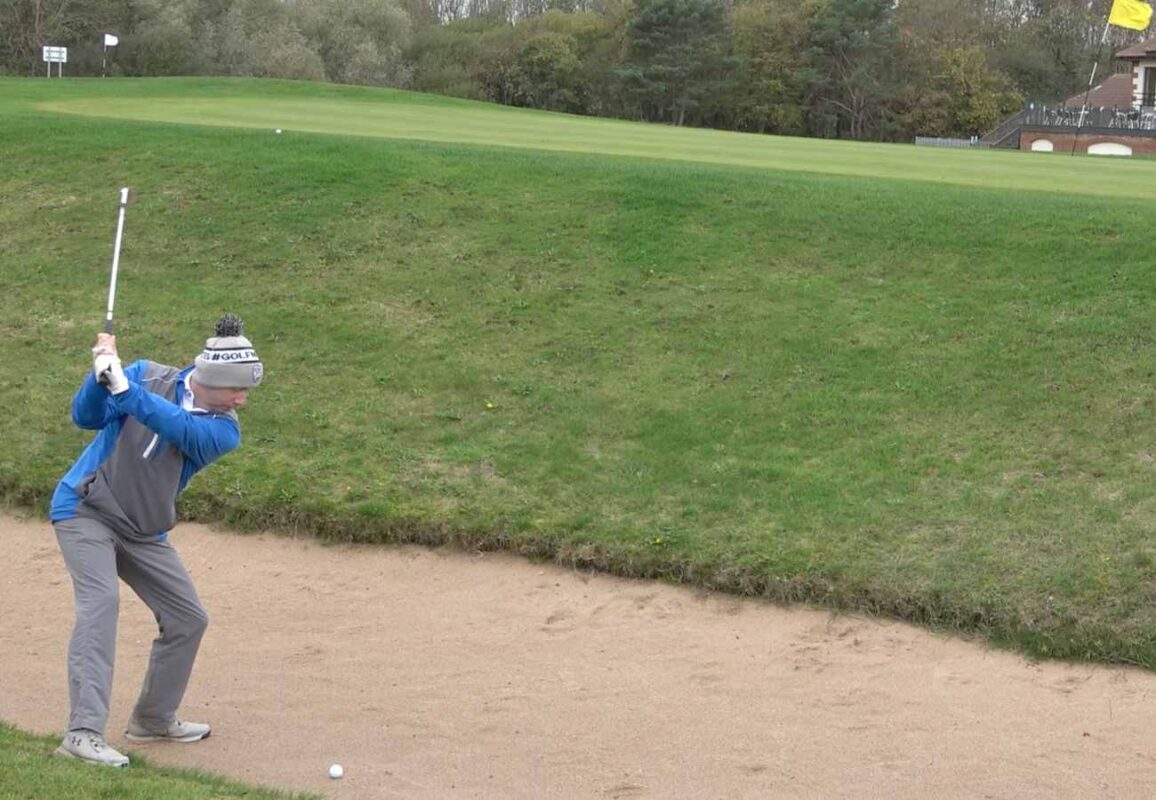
x=106, y=364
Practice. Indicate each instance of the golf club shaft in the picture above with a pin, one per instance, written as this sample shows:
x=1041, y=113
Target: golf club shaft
x=115, y=260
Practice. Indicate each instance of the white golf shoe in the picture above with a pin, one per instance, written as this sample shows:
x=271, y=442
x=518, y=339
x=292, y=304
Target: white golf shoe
x=177, y=731
x=91, y=747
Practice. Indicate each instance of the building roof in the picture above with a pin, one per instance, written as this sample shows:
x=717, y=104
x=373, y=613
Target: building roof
x=1116, y=90
x=1145, y=49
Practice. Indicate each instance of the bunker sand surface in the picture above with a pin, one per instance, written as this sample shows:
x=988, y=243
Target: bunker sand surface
x=440, y=674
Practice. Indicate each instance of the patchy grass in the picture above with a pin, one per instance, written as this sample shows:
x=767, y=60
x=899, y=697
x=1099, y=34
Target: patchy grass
x=31, y=772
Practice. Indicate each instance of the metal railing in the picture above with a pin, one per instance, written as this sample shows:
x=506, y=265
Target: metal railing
x=1143, y=118
x=1007, y=134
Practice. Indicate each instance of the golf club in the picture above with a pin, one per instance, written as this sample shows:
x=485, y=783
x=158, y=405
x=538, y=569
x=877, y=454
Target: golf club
x=124, y=192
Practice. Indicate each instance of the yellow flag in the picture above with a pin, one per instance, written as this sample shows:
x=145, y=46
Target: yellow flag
x=1134, y=14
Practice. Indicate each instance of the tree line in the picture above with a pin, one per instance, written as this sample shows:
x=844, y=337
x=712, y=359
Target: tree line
x=861, y=69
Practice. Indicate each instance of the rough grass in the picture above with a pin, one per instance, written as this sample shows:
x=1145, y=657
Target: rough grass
x=918, y=398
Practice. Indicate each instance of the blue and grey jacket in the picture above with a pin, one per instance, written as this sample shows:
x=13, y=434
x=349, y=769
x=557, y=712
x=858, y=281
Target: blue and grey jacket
x=147, y=449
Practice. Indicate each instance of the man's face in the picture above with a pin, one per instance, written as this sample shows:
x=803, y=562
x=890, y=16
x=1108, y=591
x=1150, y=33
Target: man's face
x=219, y=401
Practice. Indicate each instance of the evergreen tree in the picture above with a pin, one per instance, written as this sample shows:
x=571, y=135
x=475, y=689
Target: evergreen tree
x=678, y=59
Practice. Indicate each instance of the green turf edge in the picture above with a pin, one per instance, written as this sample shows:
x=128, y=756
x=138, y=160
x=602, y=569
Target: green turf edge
x=31, y=772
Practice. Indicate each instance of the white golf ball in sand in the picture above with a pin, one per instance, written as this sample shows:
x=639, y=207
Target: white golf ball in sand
x=336, y=771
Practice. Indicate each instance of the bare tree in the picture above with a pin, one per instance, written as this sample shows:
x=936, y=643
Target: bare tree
x=28, y=25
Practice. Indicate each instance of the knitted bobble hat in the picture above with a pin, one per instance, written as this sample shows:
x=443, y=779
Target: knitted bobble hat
x=229, y=360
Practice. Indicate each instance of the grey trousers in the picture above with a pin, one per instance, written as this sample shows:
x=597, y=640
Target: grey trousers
x=96, y=555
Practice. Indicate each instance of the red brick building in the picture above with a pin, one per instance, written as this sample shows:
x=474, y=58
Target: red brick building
x=1117, y=117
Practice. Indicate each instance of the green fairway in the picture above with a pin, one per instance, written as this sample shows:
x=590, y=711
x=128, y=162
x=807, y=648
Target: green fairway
x=317, y=108
x=901, y=380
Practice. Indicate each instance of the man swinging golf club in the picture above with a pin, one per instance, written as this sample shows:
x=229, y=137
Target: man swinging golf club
x=157, y=426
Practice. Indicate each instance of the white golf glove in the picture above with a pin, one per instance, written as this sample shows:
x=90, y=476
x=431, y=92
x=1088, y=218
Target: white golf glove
x=109, y=373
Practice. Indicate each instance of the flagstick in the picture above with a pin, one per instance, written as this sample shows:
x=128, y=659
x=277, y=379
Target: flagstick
x=1091, y=80
x=104, y=58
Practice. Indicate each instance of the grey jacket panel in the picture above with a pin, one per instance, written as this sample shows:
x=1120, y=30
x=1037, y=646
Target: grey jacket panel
x=135, y=490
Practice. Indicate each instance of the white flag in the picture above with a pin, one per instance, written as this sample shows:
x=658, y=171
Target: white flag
x=110, y=40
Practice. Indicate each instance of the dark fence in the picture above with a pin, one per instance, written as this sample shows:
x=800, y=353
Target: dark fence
x=1099, y=117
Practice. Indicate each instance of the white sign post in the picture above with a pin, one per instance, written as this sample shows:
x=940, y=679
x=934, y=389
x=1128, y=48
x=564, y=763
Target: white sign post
x=56, y=55
x=110, y=40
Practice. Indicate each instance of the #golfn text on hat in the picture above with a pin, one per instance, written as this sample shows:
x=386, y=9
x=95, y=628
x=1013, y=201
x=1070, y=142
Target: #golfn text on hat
x=230, y=355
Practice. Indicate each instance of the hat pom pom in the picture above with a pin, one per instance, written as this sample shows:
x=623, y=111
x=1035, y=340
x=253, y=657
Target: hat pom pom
x=230, y=325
